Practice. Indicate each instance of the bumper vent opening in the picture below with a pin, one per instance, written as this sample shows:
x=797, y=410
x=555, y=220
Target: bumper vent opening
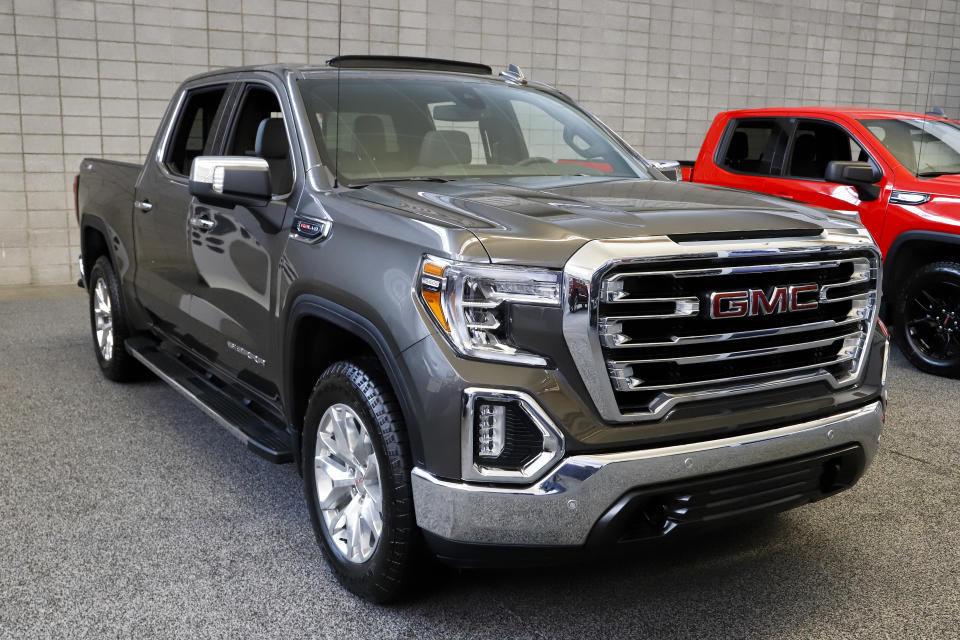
x=657, y=511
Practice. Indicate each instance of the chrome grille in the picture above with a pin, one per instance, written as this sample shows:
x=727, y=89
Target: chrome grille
x=650, y=321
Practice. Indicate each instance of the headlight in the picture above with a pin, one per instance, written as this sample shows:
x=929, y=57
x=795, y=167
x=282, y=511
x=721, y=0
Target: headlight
x=471, y=304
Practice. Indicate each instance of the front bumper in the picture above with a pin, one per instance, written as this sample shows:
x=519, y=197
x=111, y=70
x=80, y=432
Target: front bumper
x=562, y=509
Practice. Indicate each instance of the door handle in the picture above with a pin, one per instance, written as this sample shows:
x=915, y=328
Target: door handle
x=143, y=205
x=204, y=224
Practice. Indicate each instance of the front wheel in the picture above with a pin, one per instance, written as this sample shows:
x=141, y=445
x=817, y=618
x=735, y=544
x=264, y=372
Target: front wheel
x=356, y=472
x=927, y=326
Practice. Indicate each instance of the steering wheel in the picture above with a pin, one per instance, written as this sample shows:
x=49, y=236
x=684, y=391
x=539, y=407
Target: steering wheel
x=526, y=162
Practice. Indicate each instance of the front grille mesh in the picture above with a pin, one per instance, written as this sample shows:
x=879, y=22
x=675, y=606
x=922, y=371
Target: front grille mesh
x=659, y=341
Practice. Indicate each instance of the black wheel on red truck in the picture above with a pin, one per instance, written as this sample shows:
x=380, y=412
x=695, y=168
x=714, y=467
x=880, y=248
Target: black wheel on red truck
x=108, y=324
x=927, y=326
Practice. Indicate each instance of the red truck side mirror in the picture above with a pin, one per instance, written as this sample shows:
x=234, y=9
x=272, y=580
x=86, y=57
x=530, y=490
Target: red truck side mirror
x=862, y=175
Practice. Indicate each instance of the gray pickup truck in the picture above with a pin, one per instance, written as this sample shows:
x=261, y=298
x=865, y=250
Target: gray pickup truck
x=479, y=323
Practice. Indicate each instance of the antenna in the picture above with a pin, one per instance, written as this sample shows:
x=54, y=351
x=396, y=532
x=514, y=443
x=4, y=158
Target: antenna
x=336, y=156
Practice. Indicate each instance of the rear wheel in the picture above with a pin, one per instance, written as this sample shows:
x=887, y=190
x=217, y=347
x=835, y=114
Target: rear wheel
x=108, y=324
x=927, y=325
x=356, y=472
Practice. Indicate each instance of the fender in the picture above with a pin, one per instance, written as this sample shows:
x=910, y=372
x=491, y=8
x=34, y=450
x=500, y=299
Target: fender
x=307, y=305
x=890, y=262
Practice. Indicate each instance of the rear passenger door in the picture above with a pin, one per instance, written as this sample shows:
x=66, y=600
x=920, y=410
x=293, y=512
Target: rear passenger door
x=815, y=143
x=165, y=273
x=236, y=252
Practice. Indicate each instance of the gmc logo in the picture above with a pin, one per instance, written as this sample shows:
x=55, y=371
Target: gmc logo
x=754, y=302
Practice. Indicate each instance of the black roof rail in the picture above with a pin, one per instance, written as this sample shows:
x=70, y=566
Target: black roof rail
x=405, y=62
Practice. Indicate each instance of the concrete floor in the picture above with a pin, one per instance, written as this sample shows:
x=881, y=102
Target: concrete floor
x=124, y=511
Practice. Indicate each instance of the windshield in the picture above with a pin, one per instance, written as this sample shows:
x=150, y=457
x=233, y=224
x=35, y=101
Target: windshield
x=403, y=128
x=926, y=148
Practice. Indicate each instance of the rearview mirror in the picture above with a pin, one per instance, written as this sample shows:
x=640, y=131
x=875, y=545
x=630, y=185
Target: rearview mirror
x=861, y=175
x=229, y=178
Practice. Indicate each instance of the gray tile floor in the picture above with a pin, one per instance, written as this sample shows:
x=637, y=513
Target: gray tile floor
x=124, y=511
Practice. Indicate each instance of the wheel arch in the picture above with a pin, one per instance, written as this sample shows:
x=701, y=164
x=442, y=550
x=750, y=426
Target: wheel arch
x=93, y=242
x=909, y=251
x=346, y=335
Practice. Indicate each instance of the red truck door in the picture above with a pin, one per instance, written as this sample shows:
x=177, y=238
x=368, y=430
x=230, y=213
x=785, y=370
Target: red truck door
x=813, y=144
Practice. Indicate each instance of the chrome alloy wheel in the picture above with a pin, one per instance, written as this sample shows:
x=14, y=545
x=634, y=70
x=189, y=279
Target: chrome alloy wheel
x=348, y=483
x=103, y=318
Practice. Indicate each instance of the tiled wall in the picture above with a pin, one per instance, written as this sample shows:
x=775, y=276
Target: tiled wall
x=92, y=78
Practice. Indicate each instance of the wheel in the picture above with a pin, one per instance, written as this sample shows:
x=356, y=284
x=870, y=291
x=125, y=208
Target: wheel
x=108, y=323
x=356, y=472
x=927, y=324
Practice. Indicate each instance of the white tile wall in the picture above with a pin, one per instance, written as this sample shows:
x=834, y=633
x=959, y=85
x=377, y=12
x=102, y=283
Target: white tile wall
x=92, y=78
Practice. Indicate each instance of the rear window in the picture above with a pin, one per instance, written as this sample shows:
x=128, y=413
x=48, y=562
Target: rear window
x=756, y=146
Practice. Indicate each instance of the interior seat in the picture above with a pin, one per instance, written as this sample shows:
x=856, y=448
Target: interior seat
x=371, y=138
x=803, y=162
x=442, y=148
x=737, y=150
x=272, y=146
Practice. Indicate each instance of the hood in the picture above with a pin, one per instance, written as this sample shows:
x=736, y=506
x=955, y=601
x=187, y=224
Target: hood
x=543, y=221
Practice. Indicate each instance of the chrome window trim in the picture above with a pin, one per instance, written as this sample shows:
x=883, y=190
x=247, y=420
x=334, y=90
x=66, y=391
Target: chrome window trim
x=227, y=81
x=552, y=438
x=584, y=272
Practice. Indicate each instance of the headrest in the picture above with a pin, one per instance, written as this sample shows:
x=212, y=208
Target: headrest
x=805, y=148
x=739, y=148
x=272, y=139
x=370, y=135
x=440, y=148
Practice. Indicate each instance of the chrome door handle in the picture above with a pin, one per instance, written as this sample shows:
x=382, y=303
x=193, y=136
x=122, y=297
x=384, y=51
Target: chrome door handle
x=204, y=224
x=143, y=205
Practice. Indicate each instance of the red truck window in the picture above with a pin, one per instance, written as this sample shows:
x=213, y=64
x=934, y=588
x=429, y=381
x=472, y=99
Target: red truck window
x=755, y=145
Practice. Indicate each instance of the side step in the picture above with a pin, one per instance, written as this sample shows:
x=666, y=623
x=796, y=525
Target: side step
x=261, y=435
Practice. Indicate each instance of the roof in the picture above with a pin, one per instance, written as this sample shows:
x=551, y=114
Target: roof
x=358, y=62
x=850, y=112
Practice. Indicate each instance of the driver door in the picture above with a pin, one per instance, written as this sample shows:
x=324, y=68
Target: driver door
x=237, y=249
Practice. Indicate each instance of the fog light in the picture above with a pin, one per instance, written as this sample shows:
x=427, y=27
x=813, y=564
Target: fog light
x=490, y=430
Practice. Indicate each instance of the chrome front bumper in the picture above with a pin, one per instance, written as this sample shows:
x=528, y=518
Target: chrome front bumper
x=561, y=509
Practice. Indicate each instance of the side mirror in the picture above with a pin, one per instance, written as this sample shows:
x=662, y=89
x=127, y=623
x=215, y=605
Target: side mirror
x=862, y=175
x=669, y=168
x=230, y=179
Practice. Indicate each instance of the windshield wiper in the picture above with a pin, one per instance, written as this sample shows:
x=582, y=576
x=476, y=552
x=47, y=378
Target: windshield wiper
x=360, y=185
x=936, y=174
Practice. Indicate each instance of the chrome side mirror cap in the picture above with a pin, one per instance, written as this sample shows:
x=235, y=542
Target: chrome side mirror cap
x=223, y=177
x=670, y=169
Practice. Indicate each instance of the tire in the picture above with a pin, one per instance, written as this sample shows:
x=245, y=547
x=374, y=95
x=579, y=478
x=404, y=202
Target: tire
x=352, y=399
x=108, y=324
x=927, y=326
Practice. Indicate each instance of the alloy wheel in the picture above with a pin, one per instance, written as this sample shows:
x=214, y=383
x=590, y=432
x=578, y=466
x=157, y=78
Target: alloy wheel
x=349, y=489
x=932, y=320
x=103, y=319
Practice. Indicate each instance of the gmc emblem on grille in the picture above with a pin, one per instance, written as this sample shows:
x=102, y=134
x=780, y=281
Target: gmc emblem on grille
x=754, y=302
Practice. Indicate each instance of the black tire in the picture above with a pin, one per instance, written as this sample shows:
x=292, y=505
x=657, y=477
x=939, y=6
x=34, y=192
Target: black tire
x=927, y=322
x=363, y=388
x=115, y=363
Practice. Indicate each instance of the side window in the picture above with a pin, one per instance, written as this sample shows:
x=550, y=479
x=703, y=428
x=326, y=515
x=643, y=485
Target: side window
x=258, y=131
x=816, y=144
x=756, y=145
x=193, y=129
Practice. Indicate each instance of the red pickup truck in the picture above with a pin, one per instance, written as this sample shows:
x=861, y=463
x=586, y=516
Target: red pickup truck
x=900, y=172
